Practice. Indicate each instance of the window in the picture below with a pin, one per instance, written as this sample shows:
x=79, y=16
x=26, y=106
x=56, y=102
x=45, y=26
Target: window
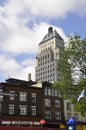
x=23, y=109
x=49, y=91
x=76, y=117
x=11, y=108
x=1, y=98
x=12, y=97
x=0, y=107
x=45, y=91
x=56, y=93
x=53, y=92
x=58, y=115
x=47, y=114
x=58, y=103
x=68, y=106
x=33, y=110
x=23, y=96
x=68, y=116
x=47, y=102
x=33, y=95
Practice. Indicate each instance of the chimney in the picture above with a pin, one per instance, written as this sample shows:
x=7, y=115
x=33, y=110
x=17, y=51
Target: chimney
x=29, y=76
x=50, y=29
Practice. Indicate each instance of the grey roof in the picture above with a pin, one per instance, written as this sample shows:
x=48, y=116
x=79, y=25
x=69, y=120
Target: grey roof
x=50, y=36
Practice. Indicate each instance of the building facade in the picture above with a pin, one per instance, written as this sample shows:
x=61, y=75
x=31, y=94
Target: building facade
x=27, y=103
x=70, y=112
x=49, y=52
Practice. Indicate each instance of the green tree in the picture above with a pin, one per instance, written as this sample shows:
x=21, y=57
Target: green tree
x=72, y=70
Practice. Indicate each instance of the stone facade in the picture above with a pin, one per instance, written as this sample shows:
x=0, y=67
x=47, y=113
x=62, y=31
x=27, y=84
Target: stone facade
x=49, y=52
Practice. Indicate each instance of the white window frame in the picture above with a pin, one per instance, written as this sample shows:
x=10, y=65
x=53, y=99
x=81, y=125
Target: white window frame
x=68, y=116
x=56, y=94
x=49, y=91
x=45, y=91
x=68, y=105
x=12, y=97
x=58, y=115
x=33, y=95
x=76, y=116
x=1, y=98
x=33, y=110
x=58, y=103
x=23, y=96
x=47, y=114
x=47, y=102
x=23, y=109
x=0, y=107
x=11, y=108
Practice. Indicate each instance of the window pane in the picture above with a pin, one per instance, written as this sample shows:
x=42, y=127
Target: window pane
x=76, y=117
x=23, y=109
x=33, y=110
x=47, y=102
x=33, y=96
x=58, y=103
x=49, y=91
x=12, y=97
x=68, y=106
x=45, y=91
x=23, y=96
x=68, y=116
x=11, y=109
x=47, y=114
x=58, y=115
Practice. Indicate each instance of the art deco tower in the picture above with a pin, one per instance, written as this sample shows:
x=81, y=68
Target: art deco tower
x=49, y=52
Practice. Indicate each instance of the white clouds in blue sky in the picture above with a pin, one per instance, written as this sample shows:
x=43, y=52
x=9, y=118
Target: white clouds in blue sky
x=23, y=24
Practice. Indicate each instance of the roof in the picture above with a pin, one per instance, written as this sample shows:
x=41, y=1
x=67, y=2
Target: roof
x=18, y=81
x=51, y=34
x=23, y=83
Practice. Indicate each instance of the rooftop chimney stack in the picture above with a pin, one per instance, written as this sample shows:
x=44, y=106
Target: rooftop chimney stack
x=29, y=76
x=50, y=29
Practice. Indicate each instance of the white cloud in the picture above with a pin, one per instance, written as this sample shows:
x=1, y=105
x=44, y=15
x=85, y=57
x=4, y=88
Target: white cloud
x=55, y=8
x=11, y=68
x=15, y=36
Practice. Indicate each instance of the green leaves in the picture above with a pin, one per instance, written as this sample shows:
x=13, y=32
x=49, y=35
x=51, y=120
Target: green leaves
x=72, y=70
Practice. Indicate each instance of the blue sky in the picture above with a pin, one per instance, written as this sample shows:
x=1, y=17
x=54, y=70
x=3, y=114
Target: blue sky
x=23, y=24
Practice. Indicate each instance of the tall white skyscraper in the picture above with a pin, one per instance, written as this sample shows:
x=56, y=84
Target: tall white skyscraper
x=49, y=52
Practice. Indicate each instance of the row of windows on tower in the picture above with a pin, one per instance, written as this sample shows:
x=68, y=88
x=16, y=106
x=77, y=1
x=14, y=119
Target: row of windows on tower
x=47, y=46
x=46, y=73
x=51, y=66
x=43, y=58
x=43, y=63
x=46, y=78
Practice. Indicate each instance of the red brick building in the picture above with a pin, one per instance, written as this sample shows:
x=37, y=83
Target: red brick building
x=27, y=102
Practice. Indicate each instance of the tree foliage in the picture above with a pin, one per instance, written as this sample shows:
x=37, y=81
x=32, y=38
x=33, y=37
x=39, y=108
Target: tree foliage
x=72, y=69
